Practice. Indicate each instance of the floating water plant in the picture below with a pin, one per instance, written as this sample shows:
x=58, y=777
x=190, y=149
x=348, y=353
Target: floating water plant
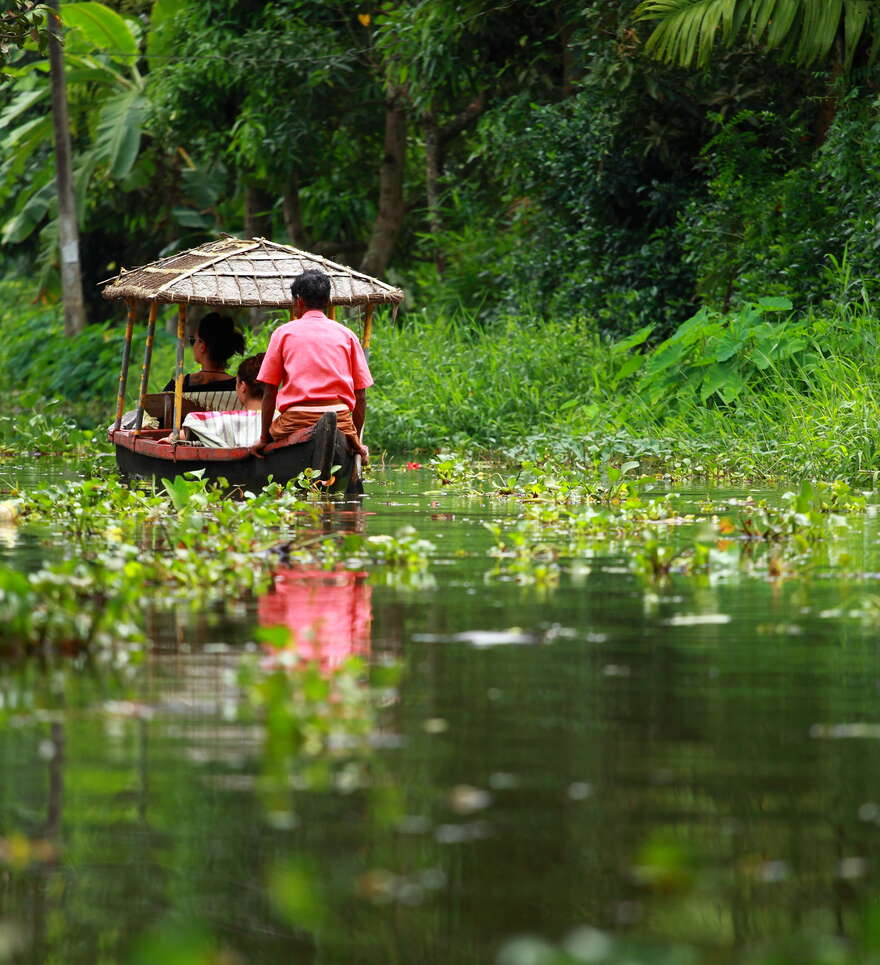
x=188, y=542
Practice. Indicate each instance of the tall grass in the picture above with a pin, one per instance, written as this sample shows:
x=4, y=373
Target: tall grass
x=808, y=407
x=819, y=417
x=451, y=382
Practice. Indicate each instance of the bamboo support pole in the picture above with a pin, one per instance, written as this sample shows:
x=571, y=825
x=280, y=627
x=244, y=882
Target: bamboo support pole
x=331, y=312
x=126, y=358
x=145, y=371
x=368, y=327
x=178, y=374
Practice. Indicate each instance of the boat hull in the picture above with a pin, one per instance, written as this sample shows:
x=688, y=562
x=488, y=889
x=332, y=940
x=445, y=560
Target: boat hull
x=320, y=448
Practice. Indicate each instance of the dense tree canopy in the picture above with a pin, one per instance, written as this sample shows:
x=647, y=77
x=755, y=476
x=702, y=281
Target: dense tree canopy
x=484, y=155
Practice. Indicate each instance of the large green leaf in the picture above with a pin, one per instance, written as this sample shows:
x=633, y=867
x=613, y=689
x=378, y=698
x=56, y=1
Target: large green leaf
x=160, y=40
x=18, y=105
x=717, y=378
x=695, y=327
x=856, y=21
x=21, y=225
x=119, y=131
x=772, y=303
x=667, y=354
x=631, y=365
x=190, y=218
x=733, y=385
x=85, y=69
x=726, y=347
x=103, y=28
x=18, y=147
x=13, y=139
x=41, y=66
x=631, y=341
x=82, y=177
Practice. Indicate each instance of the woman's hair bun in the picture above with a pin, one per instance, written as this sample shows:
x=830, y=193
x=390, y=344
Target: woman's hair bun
x=222, y=338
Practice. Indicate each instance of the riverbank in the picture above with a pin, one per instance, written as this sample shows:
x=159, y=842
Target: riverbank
x=758, y=393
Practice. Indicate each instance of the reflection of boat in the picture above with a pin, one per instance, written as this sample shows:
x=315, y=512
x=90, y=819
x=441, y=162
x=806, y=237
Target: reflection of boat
x=231, y=273
x=328, y=613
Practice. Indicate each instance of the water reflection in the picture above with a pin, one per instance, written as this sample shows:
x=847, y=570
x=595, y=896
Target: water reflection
x=693, y=761
x=328, y=613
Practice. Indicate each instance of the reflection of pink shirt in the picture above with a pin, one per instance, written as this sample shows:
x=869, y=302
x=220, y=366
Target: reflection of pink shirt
x=317, y=359
x=328, y=613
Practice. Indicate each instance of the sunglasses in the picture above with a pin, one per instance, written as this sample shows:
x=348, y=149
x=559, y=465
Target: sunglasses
x=193, y=339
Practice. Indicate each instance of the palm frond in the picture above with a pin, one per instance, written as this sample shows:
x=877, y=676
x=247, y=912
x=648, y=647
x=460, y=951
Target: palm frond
x=686, y=31
x=820, y=21
x=856, y=21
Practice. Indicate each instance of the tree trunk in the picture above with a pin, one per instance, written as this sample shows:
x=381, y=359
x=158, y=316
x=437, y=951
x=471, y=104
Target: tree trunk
x=257, y=212
x=433, y=167
x=293, y=214
x=564, y=27
x=68, y=232
x=257, y=224
x=831, y=101
x=391, y=204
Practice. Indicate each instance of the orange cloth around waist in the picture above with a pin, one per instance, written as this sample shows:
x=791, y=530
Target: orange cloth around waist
x=302, y=417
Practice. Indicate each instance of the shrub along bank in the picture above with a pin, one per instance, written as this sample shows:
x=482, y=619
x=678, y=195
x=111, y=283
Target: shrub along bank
x=759, y=391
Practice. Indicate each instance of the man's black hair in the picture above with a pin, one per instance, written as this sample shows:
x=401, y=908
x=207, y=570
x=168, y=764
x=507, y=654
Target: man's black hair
x=313, y=287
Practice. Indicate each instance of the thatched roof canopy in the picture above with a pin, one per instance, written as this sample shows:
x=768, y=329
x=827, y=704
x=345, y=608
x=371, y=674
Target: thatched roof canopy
x=234, y=272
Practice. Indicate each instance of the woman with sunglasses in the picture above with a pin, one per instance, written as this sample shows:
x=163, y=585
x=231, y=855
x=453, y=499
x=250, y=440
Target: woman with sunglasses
x=214, y=345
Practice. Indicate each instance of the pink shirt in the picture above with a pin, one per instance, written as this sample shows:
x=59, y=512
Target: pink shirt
x=328, y=613
x=317, y=359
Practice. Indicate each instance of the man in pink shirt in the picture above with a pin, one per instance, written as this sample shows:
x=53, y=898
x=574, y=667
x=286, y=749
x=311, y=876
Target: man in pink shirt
x=312, y=365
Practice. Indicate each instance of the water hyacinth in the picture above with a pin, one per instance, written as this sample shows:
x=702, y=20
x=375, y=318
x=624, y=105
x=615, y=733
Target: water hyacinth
x=569, y=513
x=188, y=541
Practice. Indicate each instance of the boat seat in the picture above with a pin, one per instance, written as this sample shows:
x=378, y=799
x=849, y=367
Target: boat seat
x=160, y=405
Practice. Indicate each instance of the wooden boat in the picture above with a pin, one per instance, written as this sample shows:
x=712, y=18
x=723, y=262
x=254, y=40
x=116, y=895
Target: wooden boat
x=321, y=448
x=234, y=273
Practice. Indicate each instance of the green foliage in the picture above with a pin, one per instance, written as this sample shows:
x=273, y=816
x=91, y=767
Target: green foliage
x=102, y=28
x=41, y=427
x=597, y=184
x=188, y=541
x=571, y=514
x=597, y=239
x=446, y=382
x=108, y=108
x=37, y=358
x=252, y=93
x=716, y=357
x=686, y=31
x=22, y=21
x=72, y=605
x=776, y=219
x=753, y=392
x=607, y=185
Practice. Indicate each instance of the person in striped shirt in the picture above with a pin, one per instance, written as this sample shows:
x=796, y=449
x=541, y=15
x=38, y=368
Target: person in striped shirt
x=235, y=428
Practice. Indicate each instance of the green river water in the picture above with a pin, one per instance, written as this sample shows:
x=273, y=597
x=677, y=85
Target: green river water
x=695, y=763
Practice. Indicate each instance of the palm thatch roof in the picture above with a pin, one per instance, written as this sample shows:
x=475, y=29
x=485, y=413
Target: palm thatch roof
x=237, y=272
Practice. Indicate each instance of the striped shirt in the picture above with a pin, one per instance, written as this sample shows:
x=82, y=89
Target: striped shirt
x=226, y=430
